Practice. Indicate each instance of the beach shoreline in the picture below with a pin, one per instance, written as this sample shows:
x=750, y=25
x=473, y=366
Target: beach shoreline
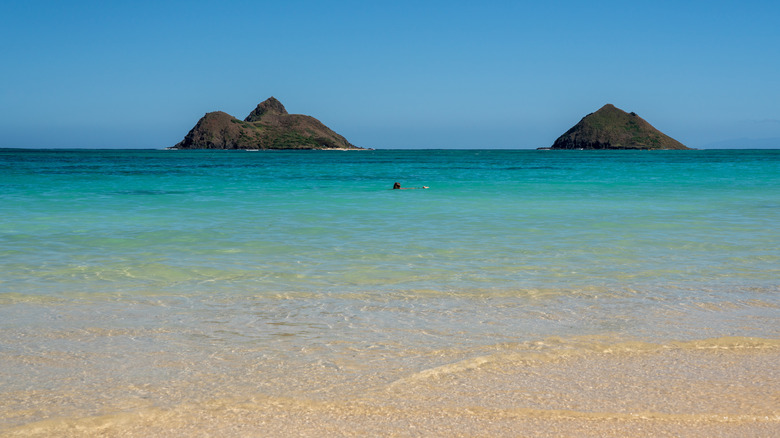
x=232, y=294
x=715, y=387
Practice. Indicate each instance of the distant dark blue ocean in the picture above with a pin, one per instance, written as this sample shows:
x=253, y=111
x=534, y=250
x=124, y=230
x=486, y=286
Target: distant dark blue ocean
x=138, y=279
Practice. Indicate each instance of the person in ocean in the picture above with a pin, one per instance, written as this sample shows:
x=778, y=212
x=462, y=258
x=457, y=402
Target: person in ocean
x=397, y=186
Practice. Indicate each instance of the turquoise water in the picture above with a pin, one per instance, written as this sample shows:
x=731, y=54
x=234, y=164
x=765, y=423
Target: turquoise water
x=137, y=267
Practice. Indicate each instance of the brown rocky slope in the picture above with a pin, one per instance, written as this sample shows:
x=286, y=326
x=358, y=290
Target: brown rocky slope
x=269, y=126
x=613, y=128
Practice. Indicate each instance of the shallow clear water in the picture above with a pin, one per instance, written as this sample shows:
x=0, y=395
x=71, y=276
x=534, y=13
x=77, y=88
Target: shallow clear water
x=132, y=279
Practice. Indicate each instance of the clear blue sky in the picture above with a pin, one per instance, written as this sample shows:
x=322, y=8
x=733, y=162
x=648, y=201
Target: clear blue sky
x=387, y=74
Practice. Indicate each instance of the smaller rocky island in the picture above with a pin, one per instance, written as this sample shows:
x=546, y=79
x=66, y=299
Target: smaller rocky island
x=613, y=128
x=269, y=126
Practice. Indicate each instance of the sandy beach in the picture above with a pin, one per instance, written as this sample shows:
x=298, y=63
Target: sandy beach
x=292, y=293
x=713, y=388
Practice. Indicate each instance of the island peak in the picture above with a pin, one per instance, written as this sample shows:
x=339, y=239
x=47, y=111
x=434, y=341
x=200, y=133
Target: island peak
x=612, y=128
x=270, y=106
x=268, y=126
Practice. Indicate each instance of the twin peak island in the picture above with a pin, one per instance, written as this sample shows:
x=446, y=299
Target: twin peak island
x=270, y=126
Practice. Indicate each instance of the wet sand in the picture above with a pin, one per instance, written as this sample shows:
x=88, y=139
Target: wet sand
x=718, y=388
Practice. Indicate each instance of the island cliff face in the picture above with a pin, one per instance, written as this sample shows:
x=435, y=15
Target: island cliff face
x=613, y=128
x=269, y=126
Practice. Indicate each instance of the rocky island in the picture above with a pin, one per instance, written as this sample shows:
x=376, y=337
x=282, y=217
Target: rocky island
x=269, y=126
x=613, y=128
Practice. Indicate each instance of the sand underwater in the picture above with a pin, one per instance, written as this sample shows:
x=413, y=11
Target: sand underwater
x=526, y=293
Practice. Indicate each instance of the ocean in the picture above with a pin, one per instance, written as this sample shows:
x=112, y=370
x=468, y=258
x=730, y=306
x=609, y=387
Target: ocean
x=294, y=293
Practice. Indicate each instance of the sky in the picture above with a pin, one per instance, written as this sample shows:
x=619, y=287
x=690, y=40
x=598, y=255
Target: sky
x=388, y=74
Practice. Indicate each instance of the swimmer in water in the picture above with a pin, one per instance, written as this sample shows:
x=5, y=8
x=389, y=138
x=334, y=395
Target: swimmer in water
x=397, y=186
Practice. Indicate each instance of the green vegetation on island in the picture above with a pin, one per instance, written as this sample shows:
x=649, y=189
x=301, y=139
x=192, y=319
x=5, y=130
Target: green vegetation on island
x=613, y=128
x=268, y=126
